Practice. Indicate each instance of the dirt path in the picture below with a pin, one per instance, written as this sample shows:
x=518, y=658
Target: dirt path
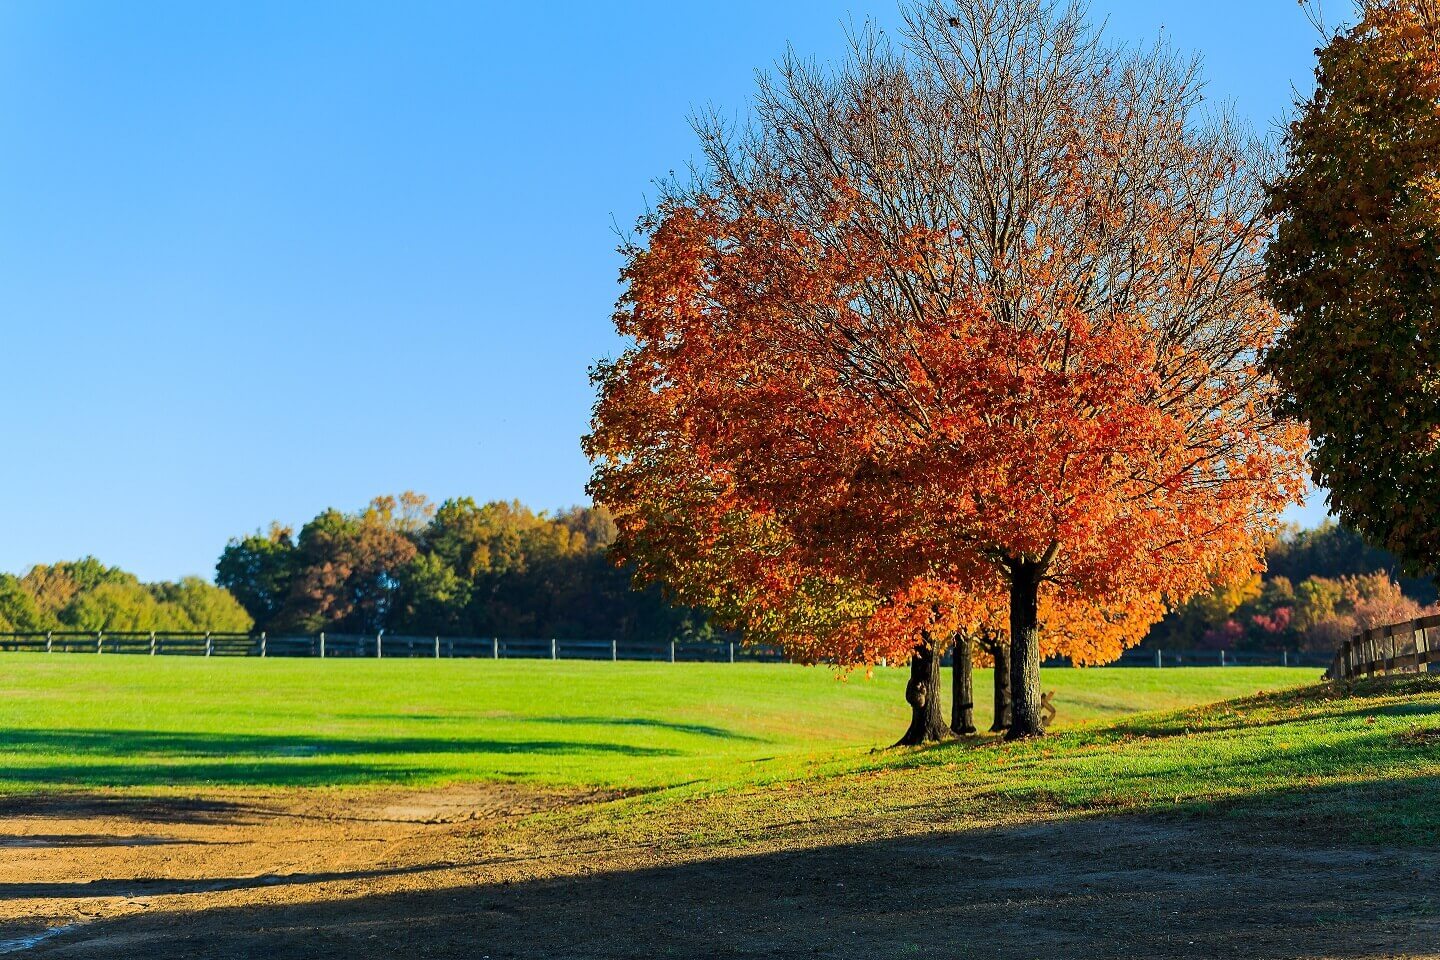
x=427, y=875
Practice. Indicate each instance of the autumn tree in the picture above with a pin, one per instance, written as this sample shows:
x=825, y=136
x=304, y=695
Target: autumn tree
x=682, y=527
x=982, y=311
x=350, y=564
x=1356, y=264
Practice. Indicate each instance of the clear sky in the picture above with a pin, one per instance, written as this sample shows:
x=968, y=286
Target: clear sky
x=260, y=258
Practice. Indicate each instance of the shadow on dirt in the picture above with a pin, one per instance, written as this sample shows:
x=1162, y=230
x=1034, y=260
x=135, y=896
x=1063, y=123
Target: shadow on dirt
x=1102, y=888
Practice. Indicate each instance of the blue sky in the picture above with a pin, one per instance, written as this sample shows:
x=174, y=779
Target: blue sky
x=260, y=258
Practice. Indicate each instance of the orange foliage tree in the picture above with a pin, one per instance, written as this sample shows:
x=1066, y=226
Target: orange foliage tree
x=979, y=312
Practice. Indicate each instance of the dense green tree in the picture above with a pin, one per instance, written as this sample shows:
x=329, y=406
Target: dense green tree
x=1355, y=262
x=432, y=597
x=259, y=570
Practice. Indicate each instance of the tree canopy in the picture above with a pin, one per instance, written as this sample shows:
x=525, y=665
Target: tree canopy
x=87, y=595
x=1356, y=264
x=975, y=315
x=404, y=565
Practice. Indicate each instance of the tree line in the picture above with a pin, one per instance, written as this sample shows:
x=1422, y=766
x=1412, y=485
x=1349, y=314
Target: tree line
x=407, y=566
x=1320, y=586
x=87, y=595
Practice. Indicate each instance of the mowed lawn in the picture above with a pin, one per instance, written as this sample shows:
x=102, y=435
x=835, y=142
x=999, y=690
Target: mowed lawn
x=75, y=721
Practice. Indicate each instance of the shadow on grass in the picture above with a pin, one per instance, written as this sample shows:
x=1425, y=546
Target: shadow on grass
x=90, y=758
x=695, y=729
x=1102, y=887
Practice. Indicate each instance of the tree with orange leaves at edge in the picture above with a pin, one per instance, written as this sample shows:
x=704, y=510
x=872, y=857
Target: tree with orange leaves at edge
x=981, y=311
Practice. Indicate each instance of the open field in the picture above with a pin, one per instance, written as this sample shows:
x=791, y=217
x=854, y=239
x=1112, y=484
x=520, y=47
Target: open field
x=577, y=810
x=136, y=721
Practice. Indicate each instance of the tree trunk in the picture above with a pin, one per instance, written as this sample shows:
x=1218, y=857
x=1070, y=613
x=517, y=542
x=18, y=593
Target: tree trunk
x=927, y=723
x=962, y=703
x=1025, y=714
x=1000, y=651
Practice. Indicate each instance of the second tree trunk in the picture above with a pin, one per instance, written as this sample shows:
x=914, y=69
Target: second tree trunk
x=962, y=702
x=927, y=722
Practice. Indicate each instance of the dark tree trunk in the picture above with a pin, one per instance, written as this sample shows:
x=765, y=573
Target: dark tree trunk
x=927, y=722
x=1000, y=651
x=1026, y=718
x=962, y=677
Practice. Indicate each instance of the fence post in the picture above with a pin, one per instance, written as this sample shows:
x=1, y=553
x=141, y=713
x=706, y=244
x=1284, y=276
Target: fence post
x=209, y=645
x=263, y=651
x=437, y=648
x=322, y=644
x=1284, y=658
x=99, y=641
x=152, y=643
x=494, y=648
x=614, y=651
x=672, y=651
x=1222, y=658
x=49, y=643
x=379, y=644
x=1159, y=659
x=553, y=650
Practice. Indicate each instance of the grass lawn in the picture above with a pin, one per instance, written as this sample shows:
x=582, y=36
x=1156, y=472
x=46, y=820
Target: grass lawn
x=177, y=807
x=129, y=721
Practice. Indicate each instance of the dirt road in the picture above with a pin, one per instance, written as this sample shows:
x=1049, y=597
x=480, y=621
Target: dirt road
x=433, y=874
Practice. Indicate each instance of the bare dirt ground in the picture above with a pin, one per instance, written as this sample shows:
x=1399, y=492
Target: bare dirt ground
x=286, y=874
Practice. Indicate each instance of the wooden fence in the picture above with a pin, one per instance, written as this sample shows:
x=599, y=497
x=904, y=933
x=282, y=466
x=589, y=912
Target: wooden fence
x=1407, y=647
x=377, y=646
x=393, y=646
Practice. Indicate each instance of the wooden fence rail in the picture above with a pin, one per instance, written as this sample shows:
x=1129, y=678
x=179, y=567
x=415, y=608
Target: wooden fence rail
x=330, y=645
x=1407, y=647
x=378, y=646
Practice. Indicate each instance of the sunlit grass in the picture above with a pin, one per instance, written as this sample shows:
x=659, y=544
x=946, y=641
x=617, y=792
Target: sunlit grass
x=70, y=720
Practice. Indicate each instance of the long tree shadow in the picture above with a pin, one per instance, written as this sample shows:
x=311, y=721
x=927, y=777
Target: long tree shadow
x=1107, y=888
x=698, y=729
x=92, y=758
x=212, y=744
x=142, y=809
x=157, y=886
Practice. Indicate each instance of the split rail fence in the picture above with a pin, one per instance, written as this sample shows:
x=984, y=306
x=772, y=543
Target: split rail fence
x=1407, y=647
x=388, y=646
x=376, y=646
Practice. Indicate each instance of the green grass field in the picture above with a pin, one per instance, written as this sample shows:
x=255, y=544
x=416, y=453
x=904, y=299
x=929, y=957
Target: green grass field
x=70, y=721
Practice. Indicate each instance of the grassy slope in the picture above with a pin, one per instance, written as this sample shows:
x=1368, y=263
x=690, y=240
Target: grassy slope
x=73, y=720
x=1359, y=764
